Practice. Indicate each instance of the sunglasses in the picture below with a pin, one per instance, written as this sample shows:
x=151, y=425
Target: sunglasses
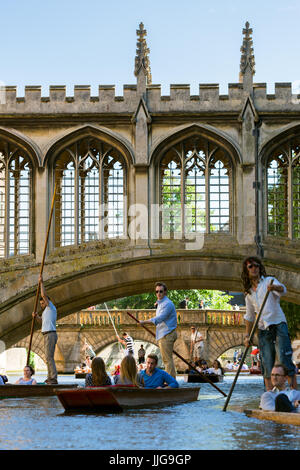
x=253, y=265
x=159, y=291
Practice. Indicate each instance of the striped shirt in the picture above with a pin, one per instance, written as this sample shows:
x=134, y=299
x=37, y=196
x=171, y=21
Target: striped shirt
x=129, y=344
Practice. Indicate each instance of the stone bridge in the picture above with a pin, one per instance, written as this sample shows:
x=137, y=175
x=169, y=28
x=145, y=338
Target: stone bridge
x=230, y=162
x=77, y=277
x=221, y=329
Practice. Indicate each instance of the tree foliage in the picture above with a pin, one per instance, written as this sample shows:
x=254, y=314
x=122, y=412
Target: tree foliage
x=212, y=299
x=292, y=313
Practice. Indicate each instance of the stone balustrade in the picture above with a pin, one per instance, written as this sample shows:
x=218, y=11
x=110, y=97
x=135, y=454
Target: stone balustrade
x=203, y=317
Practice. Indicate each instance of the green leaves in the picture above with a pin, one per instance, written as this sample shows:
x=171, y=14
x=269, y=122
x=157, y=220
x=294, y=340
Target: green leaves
x=212, y=299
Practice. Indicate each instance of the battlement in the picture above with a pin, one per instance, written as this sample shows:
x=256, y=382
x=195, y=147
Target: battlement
x=180, y=99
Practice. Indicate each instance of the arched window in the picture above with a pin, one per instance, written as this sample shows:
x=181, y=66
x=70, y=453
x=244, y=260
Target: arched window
x=296, y=194
x=90, y=195
x=195, y=188
x=283, y=191
x=15, y=200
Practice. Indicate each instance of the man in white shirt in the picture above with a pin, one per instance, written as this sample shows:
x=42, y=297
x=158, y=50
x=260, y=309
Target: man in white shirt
x=197, y=344
x=281, y=397
x=273, y=335
x=48, y=320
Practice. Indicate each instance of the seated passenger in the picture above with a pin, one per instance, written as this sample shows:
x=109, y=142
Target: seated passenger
x=117, y=370
x=153, y=377
x=98, y=377
x=281, y=397
x=128, y=373
x=27, y=378
x=216, y=369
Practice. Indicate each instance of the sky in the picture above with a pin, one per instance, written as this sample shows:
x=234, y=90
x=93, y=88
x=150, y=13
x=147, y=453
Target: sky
x=93, y=42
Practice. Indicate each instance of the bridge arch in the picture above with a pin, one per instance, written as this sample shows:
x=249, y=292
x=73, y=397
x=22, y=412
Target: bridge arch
x=84, y=280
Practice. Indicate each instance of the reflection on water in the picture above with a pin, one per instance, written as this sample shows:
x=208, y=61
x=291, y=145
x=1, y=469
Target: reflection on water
x=40, y=423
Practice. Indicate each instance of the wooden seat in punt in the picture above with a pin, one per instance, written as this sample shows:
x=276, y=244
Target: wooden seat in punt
x=117, y=398
x=276, y=416
x=39, y=390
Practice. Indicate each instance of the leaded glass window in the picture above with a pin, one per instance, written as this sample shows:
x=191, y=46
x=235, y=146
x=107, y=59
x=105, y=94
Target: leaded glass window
x=283, y=191
x=296, y=195
x=15, y=200
x=195, y=188
x=91, y=193
x=278, y=196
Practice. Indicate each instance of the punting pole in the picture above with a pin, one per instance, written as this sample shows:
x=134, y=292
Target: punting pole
x=192, y=354
x=41, y=272
x=180, y=357
x=246, y=350
x=112, y=322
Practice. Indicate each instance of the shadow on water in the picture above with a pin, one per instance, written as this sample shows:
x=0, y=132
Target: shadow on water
x=41, y=423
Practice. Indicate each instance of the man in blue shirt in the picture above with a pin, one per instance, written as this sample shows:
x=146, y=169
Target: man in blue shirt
x=152, y=377
x=166, y=323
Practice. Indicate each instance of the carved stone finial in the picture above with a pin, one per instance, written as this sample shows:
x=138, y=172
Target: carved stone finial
x=247, y=58
x=142, y=59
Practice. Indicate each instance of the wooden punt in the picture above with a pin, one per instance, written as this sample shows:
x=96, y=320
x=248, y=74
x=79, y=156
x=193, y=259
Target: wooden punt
x=80, y=375
x=233, y=372
x=39, y=390
x=117, y=398
x=196, y=378
x=255, y=371
x=276, y=416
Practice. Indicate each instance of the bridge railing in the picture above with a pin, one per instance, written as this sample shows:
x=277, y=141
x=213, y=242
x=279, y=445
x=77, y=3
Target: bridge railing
x=120, y=317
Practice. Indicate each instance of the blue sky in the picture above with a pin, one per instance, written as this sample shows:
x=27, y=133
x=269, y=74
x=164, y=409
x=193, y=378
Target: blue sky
x=71, y=42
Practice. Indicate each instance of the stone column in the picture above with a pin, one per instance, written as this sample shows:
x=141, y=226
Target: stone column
x=42, y=209
x=246, y=187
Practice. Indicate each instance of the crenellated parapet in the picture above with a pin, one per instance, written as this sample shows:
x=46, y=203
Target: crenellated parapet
x=179, y=99
x=207, y=101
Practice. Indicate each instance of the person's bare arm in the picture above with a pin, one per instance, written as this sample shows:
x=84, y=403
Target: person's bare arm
x=249, y=326
x=37, y=316
x=43, y=291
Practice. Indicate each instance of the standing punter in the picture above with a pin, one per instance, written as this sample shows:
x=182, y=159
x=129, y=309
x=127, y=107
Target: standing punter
x=127, y=341
x=48, y=319
x=273, y=335
x=166, y=323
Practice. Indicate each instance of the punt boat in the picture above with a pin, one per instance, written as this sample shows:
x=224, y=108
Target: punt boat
x=197, y=378
x=39, y=390
x=276, y=416
x=254, y=371
x=80, y=375
x=117, y=398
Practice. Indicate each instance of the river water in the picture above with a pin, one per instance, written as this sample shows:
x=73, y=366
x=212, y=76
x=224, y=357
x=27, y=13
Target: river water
x=40, y=423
